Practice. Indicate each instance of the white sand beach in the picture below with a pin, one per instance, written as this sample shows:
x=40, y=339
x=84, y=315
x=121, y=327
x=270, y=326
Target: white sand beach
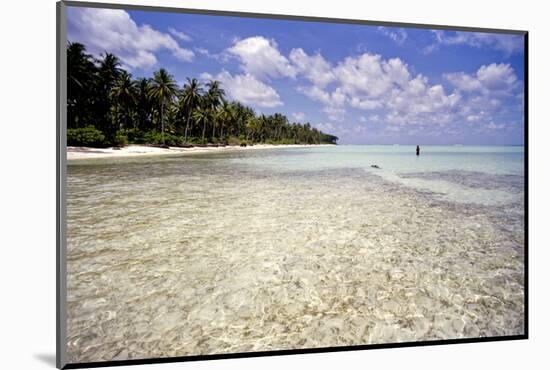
x=74, y=153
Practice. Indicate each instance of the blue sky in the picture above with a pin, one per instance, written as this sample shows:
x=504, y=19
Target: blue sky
x=365, y=84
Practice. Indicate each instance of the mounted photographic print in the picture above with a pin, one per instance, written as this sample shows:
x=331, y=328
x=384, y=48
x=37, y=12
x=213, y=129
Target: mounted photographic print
x=235, y=184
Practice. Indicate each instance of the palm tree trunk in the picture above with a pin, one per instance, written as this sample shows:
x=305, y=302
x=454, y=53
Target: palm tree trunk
x=213, y=129
x=162, y=121
x=203, y=130
x=186, y=128
x=126, y=119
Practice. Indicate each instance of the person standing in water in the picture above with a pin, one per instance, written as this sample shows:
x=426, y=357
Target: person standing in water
x=417, y=150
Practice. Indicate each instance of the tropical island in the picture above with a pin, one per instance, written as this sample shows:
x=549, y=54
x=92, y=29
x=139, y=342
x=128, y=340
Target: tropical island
x=107, y=107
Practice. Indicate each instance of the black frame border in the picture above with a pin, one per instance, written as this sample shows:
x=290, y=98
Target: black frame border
x=61, y=179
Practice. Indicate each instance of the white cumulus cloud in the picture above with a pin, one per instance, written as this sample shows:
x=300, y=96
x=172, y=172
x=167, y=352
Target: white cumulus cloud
x=334, y=113
x=497, y=76
x=314, y=67
x=114, y=31
x=261, y=58
x=363, y=75
x=488, y=78
x=180, y=35
x=463, y=81
x=299, y=116
x=247, y=89
x=399, y=35
x=506, y=43
x=369, y=82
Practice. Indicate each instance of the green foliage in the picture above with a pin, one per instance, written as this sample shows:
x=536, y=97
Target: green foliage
x=194, y=140
x=86, y=136
x=233, y=140
x=288, y=141
x=153, y=137
x=219, y=140
x=120, y=139
x=106, y=106
x=133, y=135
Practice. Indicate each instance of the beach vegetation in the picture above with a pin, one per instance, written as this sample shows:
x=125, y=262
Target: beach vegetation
x=86, y=136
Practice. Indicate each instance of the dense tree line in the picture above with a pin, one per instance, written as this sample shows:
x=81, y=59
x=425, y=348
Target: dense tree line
x=106, y=106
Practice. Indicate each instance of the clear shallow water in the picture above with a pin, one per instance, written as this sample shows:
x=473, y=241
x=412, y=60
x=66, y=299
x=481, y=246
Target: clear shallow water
x=293, y=248
x=395, y=161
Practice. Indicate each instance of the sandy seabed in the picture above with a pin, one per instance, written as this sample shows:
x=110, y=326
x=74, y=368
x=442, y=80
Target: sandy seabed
x=166, y=259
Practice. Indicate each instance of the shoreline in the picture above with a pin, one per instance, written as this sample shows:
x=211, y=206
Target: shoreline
x=81, y=153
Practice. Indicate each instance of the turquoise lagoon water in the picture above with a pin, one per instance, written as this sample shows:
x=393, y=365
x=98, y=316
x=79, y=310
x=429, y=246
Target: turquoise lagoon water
x=284, y=248
x=429, y=171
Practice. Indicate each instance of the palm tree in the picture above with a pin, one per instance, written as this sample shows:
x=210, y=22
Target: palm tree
x=252, y=127
x=263, y=127
x=214, y=97
x=171, y=118
x=242, y=114
x=201, y=115
x=123, y=95
x=190, y=100
x=226, y=115
x=144, y=104
x=109, y=68
x=108, y=72
x=279, y=122
x=163, y=88
x=81, y=86
x=79, y=64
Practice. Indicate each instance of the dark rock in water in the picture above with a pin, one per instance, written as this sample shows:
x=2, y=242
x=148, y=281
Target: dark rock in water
x=200, y=145
x=375, y=166
x=117, y=147
x=243, y=144
x=186, y=146
x=211, y=145
x=163, y=146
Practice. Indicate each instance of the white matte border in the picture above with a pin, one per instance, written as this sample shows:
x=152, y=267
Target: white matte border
x=28, y=186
